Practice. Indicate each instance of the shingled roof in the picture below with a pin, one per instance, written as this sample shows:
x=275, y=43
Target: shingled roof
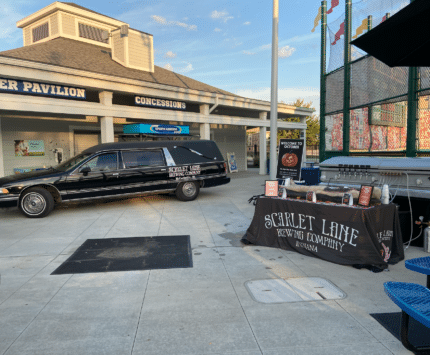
x=69, y=53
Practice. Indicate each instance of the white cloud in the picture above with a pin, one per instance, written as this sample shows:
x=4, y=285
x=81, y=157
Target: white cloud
x=248, y=53
x=247, y=23
x=162, y=21
x=286, y=52
x=288, y=95
x=168, y=67
x=170, y=54
x=159, y=19
x=218, y=14
x=187, y=69
x=221, y=15
x=283, y=52
x=217, y=29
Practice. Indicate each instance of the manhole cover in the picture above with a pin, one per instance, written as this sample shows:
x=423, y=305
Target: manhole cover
x=293, y=290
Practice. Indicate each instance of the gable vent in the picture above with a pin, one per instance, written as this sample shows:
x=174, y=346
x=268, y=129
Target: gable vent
x=40, y=32
x=91, y=32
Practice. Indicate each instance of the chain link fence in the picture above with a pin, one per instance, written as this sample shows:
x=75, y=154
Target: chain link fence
x=379, y=94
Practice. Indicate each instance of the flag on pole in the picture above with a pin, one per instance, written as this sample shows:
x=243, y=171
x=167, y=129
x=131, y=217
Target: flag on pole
x=334, y=3
x=317, y=19
x=361, y=28
x=339, y=33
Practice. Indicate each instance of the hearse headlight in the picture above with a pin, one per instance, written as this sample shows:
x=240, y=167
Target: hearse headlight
x=4, y=191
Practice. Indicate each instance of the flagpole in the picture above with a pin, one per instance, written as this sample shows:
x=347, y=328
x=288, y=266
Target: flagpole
x=323, y=78
x=274, y=94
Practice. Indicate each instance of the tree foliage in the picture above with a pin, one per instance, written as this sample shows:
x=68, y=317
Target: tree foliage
x=312, y=130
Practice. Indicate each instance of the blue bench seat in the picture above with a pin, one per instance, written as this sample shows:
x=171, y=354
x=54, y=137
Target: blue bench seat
x=414, y=301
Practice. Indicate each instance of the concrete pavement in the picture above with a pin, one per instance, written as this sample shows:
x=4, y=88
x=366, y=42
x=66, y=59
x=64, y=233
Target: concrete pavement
x=201, y=310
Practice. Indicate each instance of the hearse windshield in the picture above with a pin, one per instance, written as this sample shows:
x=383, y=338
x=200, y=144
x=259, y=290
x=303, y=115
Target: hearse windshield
x=72, y=162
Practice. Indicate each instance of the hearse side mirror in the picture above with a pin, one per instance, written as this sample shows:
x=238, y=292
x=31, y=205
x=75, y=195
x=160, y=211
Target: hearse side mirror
x=85, y=170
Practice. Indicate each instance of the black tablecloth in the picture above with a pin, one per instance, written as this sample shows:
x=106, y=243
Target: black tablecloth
x=337, y=233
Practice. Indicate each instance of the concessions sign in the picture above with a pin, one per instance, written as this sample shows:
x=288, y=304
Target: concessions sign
x=159, y=103
x=290, y=158
x=343, y=235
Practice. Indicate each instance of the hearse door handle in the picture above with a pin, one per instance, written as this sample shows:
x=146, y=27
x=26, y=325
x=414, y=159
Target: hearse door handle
x=115, y=174
x=166, y=170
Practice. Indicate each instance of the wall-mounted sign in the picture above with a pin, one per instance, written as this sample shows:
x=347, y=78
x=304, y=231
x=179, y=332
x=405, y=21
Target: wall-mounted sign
x=31, y=87
x=31, y=148
x=152, y=102
x=144, y=128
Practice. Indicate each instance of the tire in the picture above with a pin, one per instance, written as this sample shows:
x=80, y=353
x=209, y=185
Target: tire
x=187, y=191
x=36, y=202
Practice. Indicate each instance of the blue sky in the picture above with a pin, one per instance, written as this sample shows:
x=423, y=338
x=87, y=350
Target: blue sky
x=226, y=44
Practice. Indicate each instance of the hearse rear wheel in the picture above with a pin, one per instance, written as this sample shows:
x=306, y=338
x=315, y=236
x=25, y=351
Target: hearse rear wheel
x=36, y=202
x=187, y=191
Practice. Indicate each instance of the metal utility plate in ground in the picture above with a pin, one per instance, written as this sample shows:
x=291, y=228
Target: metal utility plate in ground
x=129, y=254
x=293, y=290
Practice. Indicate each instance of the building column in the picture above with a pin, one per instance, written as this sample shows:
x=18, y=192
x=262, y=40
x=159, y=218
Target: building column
x=205, y=129
x=106, y=122
x=1, y=153
x=263, y=145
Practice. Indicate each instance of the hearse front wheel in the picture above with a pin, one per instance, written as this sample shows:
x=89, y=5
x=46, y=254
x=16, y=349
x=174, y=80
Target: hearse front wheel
x=187, y=191
x=36, y=202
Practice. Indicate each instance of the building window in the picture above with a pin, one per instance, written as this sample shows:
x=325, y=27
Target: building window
x=91, y=32
x=40, y=32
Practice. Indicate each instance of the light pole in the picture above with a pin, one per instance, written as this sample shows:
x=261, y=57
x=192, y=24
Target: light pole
x=274, y=93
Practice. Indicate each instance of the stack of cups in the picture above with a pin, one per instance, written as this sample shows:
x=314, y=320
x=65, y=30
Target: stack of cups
x=385, y=197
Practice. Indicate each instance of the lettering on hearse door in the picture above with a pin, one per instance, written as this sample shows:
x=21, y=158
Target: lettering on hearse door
x=184, y=171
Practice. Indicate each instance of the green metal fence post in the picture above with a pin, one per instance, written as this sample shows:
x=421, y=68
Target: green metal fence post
x=347, y=78
x=323, y=78
x=411, y=134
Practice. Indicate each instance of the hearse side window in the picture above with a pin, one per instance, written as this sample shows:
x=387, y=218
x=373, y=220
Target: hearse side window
x=102, y=162
x=142, y=158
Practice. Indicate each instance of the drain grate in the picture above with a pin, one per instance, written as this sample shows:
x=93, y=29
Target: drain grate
x=293, y=290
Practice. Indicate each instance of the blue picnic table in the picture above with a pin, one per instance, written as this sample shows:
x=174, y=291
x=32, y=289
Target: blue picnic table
x=421, y=265
x=414, y=301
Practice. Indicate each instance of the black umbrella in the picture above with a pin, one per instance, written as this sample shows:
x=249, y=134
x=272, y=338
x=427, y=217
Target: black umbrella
x=402, y=40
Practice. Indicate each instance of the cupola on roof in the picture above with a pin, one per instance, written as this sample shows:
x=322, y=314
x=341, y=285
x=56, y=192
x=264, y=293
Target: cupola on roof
x=129, y=47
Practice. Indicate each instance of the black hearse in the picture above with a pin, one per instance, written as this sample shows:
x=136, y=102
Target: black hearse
x=118, y=169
